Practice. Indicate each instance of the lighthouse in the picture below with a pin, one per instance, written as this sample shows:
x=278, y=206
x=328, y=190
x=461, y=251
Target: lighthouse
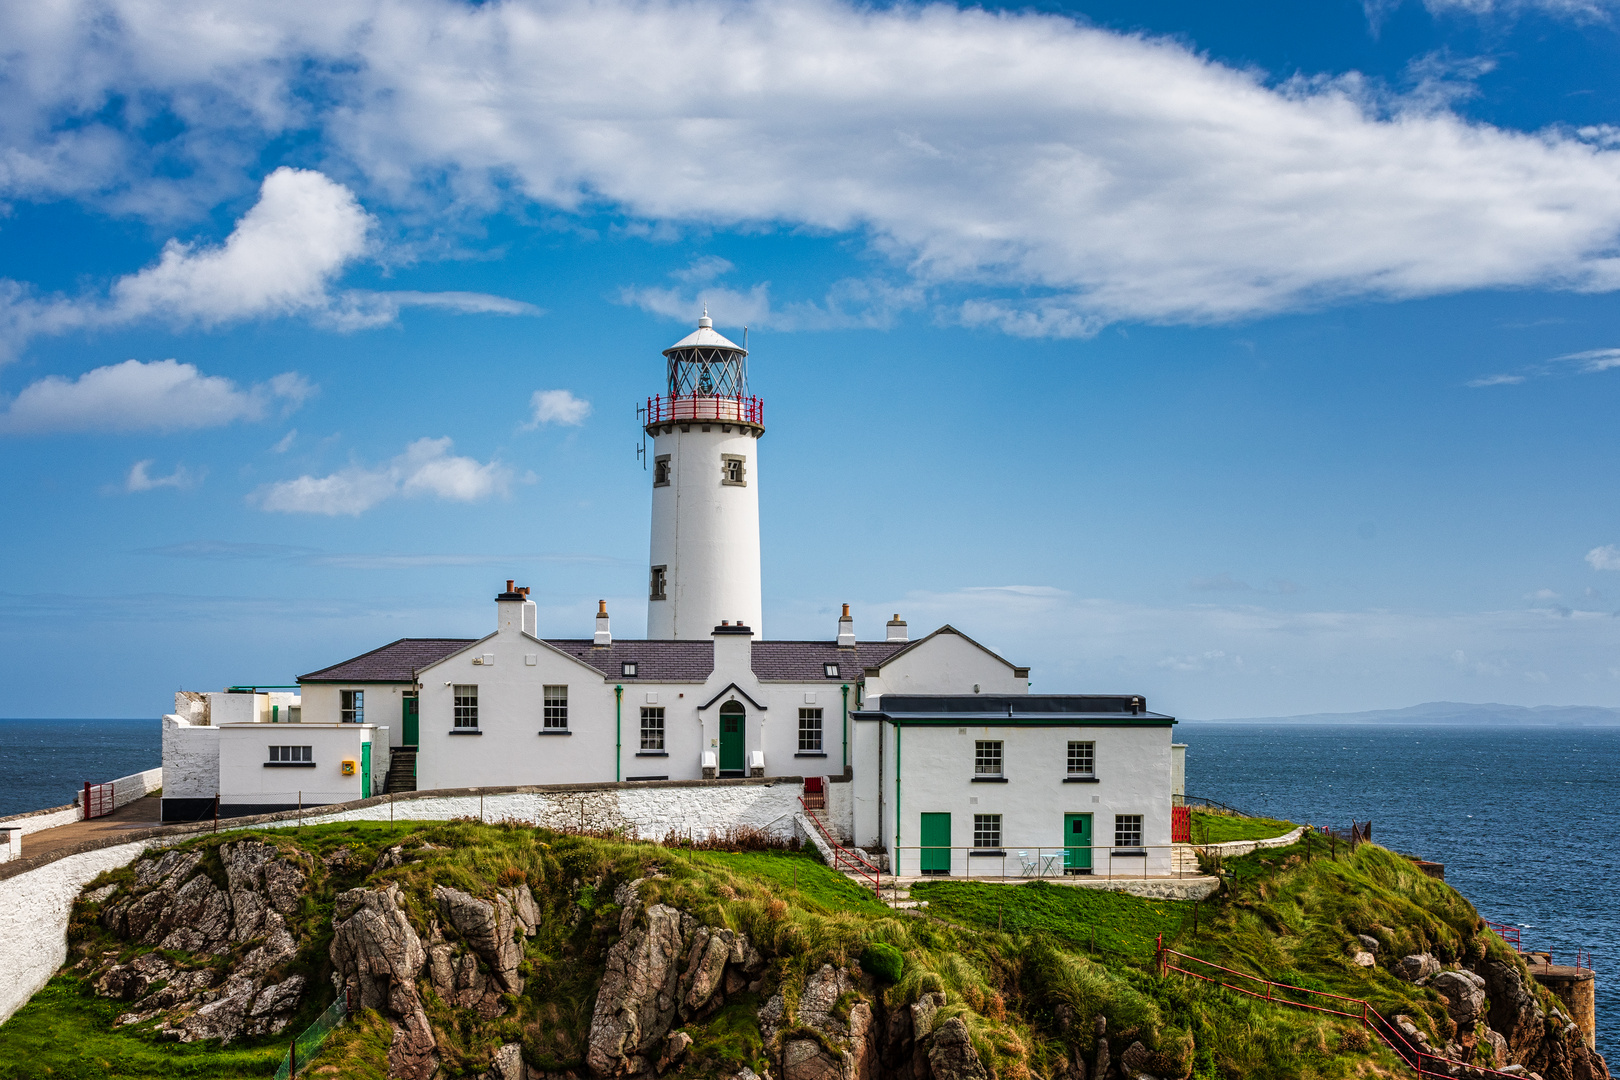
x=705, y=430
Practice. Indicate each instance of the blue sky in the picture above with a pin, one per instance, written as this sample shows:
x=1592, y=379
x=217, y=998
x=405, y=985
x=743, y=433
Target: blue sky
x=1259, y=358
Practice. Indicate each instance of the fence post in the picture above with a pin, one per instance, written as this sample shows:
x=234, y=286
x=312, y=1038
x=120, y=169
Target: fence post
x=216, y=811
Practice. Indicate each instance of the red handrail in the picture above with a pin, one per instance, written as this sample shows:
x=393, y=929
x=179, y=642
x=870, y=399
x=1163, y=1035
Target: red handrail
x=843, y=857
x=1370, y=1018
x=740, y=409
x=1509, y=934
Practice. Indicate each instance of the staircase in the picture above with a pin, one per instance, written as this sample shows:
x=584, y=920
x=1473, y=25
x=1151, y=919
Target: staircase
x=401, y=772
x=899, y=898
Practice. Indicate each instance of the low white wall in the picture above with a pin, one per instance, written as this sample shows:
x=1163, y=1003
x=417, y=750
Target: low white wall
x=126, y=789
x=649, y=813
x=1243, y=847
x=45, y=819
x=34, y=910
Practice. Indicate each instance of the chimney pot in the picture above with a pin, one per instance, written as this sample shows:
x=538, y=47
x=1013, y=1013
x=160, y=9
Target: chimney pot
x=725, y=622
x=846, y=612
x=601, y=607
x=509, y=584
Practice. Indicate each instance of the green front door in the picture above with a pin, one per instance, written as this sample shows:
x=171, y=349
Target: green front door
x=1077, y=843
x=365, y=770
x=732, y=743
x=411, y=728
x=936, y=844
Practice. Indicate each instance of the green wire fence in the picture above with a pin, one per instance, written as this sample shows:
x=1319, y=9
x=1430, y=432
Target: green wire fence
x=308, y=1044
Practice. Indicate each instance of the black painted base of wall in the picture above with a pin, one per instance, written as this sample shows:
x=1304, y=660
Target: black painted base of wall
x=249, y=809
x=187, y=809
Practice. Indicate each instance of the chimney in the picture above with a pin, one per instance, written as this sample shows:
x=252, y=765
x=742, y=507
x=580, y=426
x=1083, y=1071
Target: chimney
x=514, y=610
x=604, y=635
x=846, y=630
x=897, y=629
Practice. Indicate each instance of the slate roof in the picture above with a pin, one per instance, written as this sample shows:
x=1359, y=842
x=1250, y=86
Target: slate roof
x=801, y=661
x=398, y=661
x=656, y=661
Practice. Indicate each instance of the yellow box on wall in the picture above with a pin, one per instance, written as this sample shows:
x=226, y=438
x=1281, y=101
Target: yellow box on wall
x=348, y=767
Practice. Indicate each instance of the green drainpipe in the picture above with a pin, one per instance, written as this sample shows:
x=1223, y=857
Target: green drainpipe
x=895, y=862
x=845, y=689
x=618, y=727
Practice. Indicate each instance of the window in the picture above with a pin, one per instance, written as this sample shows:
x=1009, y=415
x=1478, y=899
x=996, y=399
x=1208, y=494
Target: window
x=556, y=708
x=830, y=670
x=657, y=588
x=628, y=669
x=809, y=731
x=466, y=705
x=292, y=755
x=1082, y=759
x=986, y=830
x=1128, y=830
x=986, y=758
x=354, y=706
x=652, y=728
x=661, y=471
x=732, y=471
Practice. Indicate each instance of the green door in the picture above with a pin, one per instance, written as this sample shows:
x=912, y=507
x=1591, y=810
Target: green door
x=936, y=844
x=365, y=770
x=1077, y=843
x=411, y=728
x=732, y=743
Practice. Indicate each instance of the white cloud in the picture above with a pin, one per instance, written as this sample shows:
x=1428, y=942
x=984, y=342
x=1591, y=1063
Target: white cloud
x=852, y=303
x=425, y=468
x=1496, y=380
x=1593, y=360
x=164, y=395
x=285, y=442
x=1606, y=557
x=281, y=259
x=558, y=407
x=140, y=479
x=1098, y=175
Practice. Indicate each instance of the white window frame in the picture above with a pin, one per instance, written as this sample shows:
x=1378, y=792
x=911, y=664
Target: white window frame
x=1128, y=832
x=352, y=706
x=810, y=731
x=554, y=707
x=988, y=753
x=464, y=706
x=1082, y=758
x=830, y=670
x=292, y=755
x=987, y=832
x=652, y=729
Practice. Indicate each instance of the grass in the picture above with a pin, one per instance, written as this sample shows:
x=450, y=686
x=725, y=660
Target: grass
x=1026, y=967
x=1209, y=828
x=1090, y=920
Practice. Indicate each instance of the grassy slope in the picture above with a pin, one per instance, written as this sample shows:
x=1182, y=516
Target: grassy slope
x=1210, y=828
x=1007, y=957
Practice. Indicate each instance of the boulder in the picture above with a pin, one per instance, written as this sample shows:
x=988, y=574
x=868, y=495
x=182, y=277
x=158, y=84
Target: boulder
x=675, y=1046
x=637, y=1000
x=847, y=1048
x=524, y=909
x=1368, y=942
x=1100, y=1062
x=1514, y=1012
x=1465, y=996
x=1135, y=1062
x=1363, y=959
x=1416, y=967
x=507, y=1064
x=377, y=957
x=489, y=929
x=922, y=1015
x=952, y=1056
x=705, y=968
x=1492, y=1042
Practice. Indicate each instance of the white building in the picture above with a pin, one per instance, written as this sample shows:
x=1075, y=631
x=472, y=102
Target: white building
x=933, y=749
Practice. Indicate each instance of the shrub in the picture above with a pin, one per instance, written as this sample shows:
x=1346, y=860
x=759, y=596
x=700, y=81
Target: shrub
x=884, y=961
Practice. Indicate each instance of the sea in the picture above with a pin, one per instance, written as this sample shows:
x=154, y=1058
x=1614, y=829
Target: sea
x=1520, y=816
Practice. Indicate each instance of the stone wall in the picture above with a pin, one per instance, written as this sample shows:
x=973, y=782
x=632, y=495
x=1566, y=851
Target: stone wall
x=34, y=910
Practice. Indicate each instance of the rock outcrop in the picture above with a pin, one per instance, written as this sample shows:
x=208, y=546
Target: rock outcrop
x=378, y=956
x=177, y=906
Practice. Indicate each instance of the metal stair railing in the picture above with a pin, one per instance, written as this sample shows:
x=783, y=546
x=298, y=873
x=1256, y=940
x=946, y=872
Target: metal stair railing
x=845, y=859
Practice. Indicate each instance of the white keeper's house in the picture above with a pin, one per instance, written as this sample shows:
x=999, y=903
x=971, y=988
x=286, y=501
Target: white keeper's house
x=930, y=748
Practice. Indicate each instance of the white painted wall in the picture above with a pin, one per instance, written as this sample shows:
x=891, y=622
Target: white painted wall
x=226, y=708
x=706, y=533
x=1133, y=777
x=247, y=779
x=385, y=705
x=190, y=759
x=946, y=663
x=126, y=789
x=1178, y=768
x=34, y=909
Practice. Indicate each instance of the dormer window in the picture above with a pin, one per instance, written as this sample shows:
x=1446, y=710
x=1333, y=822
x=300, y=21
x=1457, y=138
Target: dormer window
x=628, y=669
x=830, y=670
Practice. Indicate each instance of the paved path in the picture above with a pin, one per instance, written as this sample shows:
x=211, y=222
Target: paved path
x=141, y=814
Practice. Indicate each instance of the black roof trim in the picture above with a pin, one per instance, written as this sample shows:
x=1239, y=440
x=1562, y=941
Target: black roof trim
x=730, y=687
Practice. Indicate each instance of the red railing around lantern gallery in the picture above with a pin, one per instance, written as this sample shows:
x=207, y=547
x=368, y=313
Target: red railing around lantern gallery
x=743, y=410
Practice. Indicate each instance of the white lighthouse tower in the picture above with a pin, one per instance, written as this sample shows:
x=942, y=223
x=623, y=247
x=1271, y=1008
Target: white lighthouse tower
x=705, y=508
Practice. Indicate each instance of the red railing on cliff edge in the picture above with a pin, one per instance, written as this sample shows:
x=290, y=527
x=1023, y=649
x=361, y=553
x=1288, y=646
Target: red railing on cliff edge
x=1418, y=1060
x=845, y=859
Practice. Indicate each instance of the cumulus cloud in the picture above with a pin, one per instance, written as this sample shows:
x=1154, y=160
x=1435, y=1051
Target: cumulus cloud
x=1606, y=557
x=140, y=478
x=281, y=259
x=558, y=407
x=425, y=468
x=164, y=395
x=1043, y=175
x=852, y=303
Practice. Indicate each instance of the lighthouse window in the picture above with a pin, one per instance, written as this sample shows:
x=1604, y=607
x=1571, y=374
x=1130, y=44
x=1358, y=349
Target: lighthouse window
x=661, y=471
x=732, y=470
x=657, y=590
